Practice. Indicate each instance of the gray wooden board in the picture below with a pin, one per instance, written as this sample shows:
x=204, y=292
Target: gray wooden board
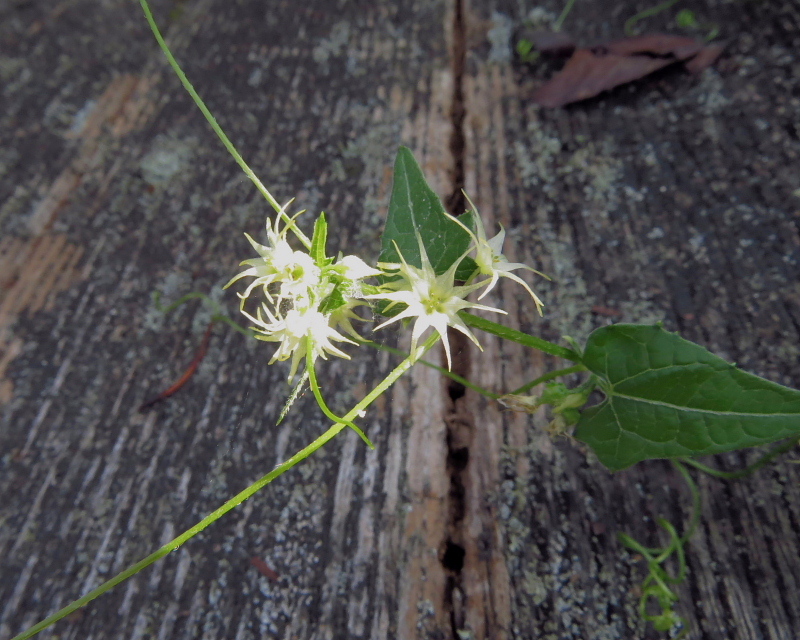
x=675, y=199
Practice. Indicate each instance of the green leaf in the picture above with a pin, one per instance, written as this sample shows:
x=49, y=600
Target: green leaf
x=667, y=397
x=319, y=240
x=415, y=206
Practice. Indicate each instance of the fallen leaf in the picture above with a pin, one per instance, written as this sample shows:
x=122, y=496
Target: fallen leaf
x=556, y=43
x=591, y=71
x=587, y=74
x=655, y=45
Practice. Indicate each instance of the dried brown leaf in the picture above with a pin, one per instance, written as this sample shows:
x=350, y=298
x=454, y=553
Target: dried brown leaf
x=555, y=43
x=656, y=44
x=591, y=71
x=587, y=74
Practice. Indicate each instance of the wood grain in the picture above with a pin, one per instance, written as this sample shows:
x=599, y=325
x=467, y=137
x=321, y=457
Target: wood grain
x=673, y=200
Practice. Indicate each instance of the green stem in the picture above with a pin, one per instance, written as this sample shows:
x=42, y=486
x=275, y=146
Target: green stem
x=696, y=501
x=564, y=13
x=788, y=445
x=547, y=377
x=477, y=388
x=445, y=372
x=217, y=129
x=517, y=336
x=312, y=378
x=233, y=502
x=647, y=13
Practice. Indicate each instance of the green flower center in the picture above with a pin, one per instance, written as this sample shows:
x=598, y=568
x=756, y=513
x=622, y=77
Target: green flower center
x=434, y=303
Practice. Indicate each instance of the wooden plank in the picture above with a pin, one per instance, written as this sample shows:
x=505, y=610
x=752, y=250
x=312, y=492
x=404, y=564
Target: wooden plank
x=671, y=201
x=317, y=98
x=467, y=521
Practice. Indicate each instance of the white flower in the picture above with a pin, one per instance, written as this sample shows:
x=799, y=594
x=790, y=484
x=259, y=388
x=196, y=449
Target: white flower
x=294, y=270
x=490, y=259
x=341, y=317
x=293, y=332
x=434, y=300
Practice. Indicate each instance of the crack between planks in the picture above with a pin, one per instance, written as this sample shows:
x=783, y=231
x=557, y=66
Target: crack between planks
x=459, y=425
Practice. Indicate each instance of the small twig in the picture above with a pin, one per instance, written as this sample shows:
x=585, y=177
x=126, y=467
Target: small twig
x=190, y=371
x=264, y=569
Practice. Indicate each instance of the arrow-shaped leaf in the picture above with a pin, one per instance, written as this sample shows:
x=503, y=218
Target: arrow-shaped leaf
x=415, y=206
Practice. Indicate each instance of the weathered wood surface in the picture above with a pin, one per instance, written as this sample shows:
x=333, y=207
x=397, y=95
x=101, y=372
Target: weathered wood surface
x=677, y=199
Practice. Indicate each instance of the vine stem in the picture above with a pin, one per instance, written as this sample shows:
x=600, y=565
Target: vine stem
x=312, y=378
x=630, y=23
x=217, y=129
x=564, y=13
x=735, y=475
x=520, y=337
x=551, y=375
x=577, y=368
x=233, y=502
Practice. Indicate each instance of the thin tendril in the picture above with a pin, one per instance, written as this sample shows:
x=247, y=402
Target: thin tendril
x=217, y=129
x=657, y=583
x=696, y=501
x=219, y=316
x=564, y=13
x=788, y=445
x=630, y=23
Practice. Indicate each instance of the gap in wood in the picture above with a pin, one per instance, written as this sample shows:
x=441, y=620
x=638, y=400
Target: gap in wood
x=459, y=427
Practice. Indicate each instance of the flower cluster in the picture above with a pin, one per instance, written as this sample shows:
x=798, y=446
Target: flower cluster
x=309, y=298
x=305, y=298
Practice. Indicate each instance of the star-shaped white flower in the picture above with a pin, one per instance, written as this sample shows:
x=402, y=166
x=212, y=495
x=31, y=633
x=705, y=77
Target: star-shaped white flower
x=292, y=332
x=433, y=300
x=490, y=259
x=278, y=262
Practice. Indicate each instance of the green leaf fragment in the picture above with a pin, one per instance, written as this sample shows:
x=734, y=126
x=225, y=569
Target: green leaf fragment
x=667, y=397
x=333, y=301
x=319, y=240
x=686, y=19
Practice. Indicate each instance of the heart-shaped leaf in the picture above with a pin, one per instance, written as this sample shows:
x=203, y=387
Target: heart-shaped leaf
x=667, y=397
